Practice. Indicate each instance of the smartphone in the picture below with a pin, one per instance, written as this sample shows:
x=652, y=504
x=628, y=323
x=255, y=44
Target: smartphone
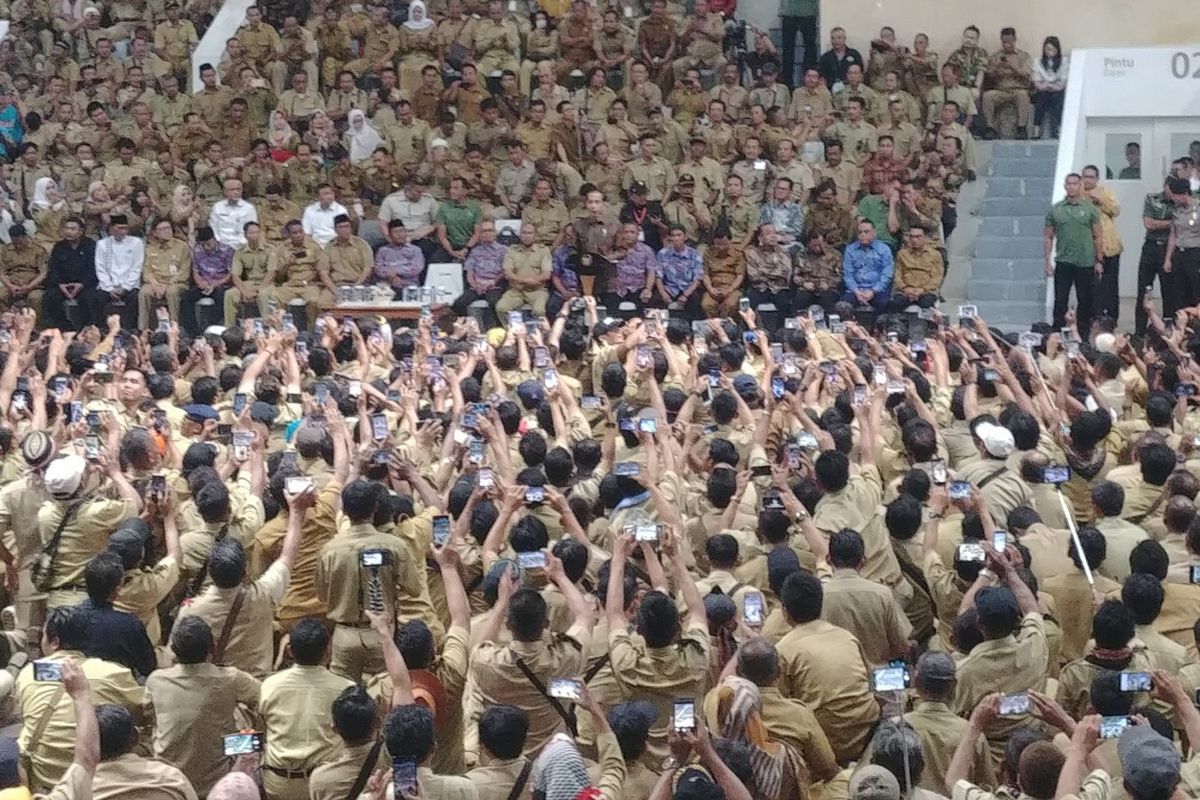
x=515, y=318
x=19, y=401
x=321, y=394
x=91, y=447
x=532, y=560
x=1135, y=681
x=347, y=326
x=999, y=541
x=683, y=715
x=960, y=490
x=896, y=387
x=793, y=456
x=744, y=304
x=806, y=440
x=541, y=357
x=486, y=479
x=860, y=396
x=239, y=404
x=441, y=530
x=355, y=388
x=550, y=379
x=881, y=377
x=889, y=679
x=475, y=451
x=967, y=312
x=535, y=494
x=224, y=429
x=752, y=608
x=288, y=460
x=626, y=469
x=47, y=670
x=643, y=357
x=565, y=689
x=379, y=427
x=404, y=777
x=771, y=501
x=1194, y=573
x=158, y=485
x=1060, y=473
x=749, y=337
x=1113, y=727
x=373, y=558
x=380, y=457
x=777, y=388
x=646, y=532
x=75, y=412
x=971, y=552
x=297, y=484
x=1014, y=704
x=590, y=402
x=242, y=440
x=937, y=471
x=241, y=744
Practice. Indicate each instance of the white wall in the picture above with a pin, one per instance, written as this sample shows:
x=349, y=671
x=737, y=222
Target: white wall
x=212, y=44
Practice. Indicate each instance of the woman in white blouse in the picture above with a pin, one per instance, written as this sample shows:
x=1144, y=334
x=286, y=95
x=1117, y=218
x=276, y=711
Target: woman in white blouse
x=1050, y=84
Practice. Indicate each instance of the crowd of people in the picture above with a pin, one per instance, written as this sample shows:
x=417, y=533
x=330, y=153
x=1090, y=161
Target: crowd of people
x=692, y=493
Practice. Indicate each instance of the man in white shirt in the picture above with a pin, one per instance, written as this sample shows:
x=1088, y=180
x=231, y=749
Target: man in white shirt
x=318, y=217
x=119, y=258
x=228, y=217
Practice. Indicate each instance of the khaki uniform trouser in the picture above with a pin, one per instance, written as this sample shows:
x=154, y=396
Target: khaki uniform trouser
x=146, y=303
x=513, y=299
x=280, y=788
x=356, y=651
x=994, y=98
x=33, y=299
x=64, y=597
x=494, y=60
x=720, y=308
x=314, y=297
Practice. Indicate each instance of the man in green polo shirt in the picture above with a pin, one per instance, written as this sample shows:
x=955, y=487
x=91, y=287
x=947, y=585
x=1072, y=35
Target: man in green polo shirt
x=458, y=221
x=1073, y=253
x=874, y=208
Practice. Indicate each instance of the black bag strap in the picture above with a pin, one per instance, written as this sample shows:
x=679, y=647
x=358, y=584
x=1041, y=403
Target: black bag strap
x=992, y=476
x=227, y=628
x=1137, y=520
x=51, y=548
x=568, y=716
x=364, y=772
x=522, y=779
x=193, y=587
x=595, y=668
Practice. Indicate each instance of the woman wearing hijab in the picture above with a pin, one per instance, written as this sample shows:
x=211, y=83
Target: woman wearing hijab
x=184, y=213
x=778, y=771
x=559, y=772
x=361, y=137
x=47, y=209
x=418, y=42
x=281, y=137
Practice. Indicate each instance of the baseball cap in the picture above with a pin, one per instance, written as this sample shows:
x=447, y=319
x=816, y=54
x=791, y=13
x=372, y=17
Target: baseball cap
x=1105, y=343
x=688, y=179
x=1149, y=762
x=198, y=412
x=530, y=394
x=744, y=385
x=997, y=440
x=936, y=666
x=638, y=187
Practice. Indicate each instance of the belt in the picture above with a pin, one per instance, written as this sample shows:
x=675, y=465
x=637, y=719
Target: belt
x=290, y=774
x=70, y=587
x=353, y=624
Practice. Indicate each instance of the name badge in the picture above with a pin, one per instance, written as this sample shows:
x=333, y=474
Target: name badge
x=641, y=235
x=173, y=268
x=760, y=164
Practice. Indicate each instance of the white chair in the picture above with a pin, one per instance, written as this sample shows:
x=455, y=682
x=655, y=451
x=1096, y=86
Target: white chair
x=446, y=280
x=515, y=224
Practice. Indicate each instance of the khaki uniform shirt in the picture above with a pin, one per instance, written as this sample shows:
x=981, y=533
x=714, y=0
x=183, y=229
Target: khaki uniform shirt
x=1004, y=492
x=1073, y=598
x=132, y=776
x=174, y=41
x=806, y=104
x=878, y=110
x=549, y=219
x=498, y=680
x=1075, y=681
x=742, y=216
x=55, y=750
x=21, y=265
x=658, y=675
x=1121, y=536
x=723, y=271
x=658, y=175
x=250, y=265
x=342, y=580
x=407, y=142
x=869, y=611
x=301, y=106
x=858, y=140
x=211, y=104
x=146, y=587
x=347, y=262
x=193, y=706
x=905, y=135
x=1015, y=663
x=824, y=667
x=921, y=271
x=85, y=535
x=295, y=705
x=708, y=174
x=334, y=779
x=273, y=218
x=167, y=263
x=251, y=644
x=851, y=507
x=941, y=730
x=735, y=99
x=528, y=263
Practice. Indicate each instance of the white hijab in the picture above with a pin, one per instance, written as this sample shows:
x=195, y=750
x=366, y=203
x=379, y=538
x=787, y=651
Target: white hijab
x=414, y=24
x=361, y=137
x=41, y=196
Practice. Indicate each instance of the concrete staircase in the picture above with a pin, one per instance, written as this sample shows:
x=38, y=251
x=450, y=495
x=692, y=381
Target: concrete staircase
x=1007, y=280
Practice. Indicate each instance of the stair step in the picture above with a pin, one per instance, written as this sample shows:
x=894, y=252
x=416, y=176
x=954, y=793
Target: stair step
x=996, y=269
x=1008, y=247
x=1002, y=186
x=1021, y=291
x=1017, y=149
x=1012, y=226
x=1011, y=315
x=1022, y=167
x=1013, y=207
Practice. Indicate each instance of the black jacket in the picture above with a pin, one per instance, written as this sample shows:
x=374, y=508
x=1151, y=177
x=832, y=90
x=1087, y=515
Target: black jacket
x=119, y=637
x=73, y=264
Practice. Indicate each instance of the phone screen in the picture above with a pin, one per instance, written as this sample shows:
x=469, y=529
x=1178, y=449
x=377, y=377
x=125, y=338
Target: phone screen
x=753, y=608
x=889, y=679
x=441, y=530
x=404, y=776
x=684, y=715
x=240, y=744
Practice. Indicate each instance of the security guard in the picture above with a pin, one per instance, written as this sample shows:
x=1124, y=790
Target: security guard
x=360, y=570
x=23, y=270
x=251, y=263
x=292, y=271
x=346, y=261
x=527, y=270
x=166, y=271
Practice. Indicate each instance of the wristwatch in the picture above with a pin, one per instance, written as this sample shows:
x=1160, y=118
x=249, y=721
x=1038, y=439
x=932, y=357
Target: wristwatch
x=800, y=516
